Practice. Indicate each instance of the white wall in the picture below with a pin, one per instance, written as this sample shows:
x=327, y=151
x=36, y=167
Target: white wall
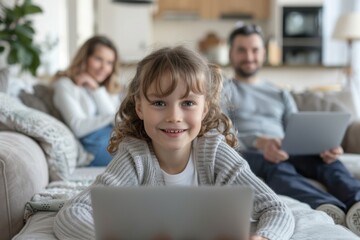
x=130, y=26
x=85, y=20
x=51, y=27
x=81, y=23
x=335, y=52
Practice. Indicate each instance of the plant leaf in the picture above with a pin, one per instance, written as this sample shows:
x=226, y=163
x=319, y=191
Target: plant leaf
x=35, y=63
x=27, y=25
x=23, y=40
x=18, y=12
x=24, y=31
x=9, y=15
x=25, y=56
x=17, y=31
x=12, y=57
x=4, y=35
x=32, y=9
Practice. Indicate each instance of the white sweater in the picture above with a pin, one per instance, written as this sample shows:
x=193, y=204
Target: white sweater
x=216, y=163
x=82, y=109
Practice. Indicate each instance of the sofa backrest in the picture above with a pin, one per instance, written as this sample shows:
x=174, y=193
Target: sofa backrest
x=324, y=101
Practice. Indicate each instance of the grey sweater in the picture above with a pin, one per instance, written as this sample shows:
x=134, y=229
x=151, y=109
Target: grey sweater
x=217, y=164
x=257, y=109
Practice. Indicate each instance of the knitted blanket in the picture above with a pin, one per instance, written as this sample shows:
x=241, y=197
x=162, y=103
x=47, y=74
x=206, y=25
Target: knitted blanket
x=54, y=196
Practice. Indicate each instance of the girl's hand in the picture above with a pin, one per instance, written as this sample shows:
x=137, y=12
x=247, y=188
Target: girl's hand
x=84, y=79
x=258, y=238
x=254, y=237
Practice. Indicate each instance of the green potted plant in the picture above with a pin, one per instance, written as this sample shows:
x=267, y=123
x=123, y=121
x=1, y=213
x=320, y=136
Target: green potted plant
x=17, y=35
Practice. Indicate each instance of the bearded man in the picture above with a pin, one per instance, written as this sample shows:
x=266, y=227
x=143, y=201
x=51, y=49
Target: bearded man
x=259, y=111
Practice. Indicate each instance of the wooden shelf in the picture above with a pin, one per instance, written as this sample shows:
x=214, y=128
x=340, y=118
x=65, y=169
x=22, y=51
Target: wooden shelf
x=215, y=9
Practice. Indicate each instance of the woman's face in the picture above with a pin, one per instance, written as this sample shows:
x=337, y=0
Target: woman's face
x=101, y=63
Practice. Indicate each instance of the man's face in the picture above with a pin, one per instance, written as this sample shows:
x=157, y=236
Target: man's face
x=247, y=55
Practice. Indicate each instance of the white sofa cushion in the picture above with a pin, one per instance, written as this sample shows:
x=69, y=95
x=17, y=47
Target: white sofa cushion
x=54, y=137
x=310, y=224
x=23, y=172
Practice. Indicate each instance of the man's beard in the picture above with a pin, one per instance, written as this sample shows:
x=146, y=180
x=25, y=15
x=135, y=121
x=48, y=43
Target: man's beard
x=245, y=74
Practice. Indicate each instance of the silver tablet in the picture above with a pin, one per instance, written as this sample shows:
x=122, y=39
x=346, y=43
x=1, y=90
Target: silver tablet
x=314, y=132
x=209, y=212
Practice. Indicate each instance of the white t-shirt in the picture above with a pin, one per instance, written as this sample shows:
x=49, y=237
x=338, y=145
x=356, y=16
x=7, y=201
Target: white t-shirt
x=188, y=177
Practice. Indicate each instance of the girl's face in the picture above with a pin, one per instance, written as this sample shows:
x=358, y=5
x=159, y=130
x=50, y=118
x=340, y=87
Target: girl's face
x=101, y=63
x=174, y=121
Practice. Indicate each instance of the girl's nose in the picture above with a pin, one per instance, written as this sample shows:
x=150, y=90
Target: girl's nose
x=174, y=114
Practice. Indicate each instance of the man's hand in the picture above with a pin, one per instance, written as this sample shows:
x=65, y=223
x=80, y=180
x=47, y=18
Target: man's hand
x=84, y=79
x=271, y=148
x=331, y=155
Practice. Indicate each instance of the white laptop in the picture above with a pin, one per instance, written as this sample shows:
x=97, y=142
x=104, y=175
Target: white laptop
x=206, y=212
x=309, y=133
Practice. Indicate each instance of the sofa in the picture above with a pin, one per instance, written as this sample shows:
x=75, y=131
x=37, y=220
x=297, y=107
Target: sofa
x=27, y=167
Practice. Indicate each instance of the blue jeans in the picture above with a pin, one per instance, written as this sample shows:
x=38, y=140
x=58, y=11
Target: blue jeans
x=289, y=178
x=96, y=143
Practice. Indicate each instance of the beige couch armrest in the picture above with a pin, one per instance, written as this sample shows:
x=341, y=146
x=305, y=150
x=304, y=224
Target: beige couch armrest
x=23, y=172
x=351, y=141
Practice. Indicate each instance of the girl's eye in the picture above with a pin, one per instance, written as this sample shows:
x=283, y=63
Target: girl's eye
x=158, y=103
x=188, y=103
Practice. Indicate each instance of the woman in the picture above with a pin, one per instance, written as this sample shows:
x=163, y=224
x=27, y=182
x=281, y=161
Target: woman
x=88, y=96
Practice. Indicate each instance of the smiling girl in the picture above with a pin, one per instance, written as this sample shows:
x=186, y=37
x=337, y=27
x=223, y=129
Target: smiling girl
x=170, y=131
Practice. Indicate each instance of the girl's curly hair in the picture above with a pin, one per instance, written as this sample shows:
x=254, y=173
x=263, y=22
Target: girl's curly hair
x=181, y=64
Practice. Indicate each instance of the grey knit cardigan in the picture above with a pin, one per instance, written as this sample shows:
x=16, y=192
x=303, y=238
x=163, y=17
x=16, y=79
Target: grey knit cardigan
x=216, y=162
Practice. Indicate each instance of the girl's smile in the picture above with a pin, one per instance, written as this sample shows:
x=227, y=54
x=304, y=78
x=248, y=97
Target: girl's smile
x=173, y=133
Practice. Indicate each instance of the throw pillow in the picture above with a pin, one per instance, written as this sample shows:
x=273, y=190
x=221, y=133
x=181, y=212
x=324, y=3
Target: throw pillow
x=41, y=100
x=54, y=137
